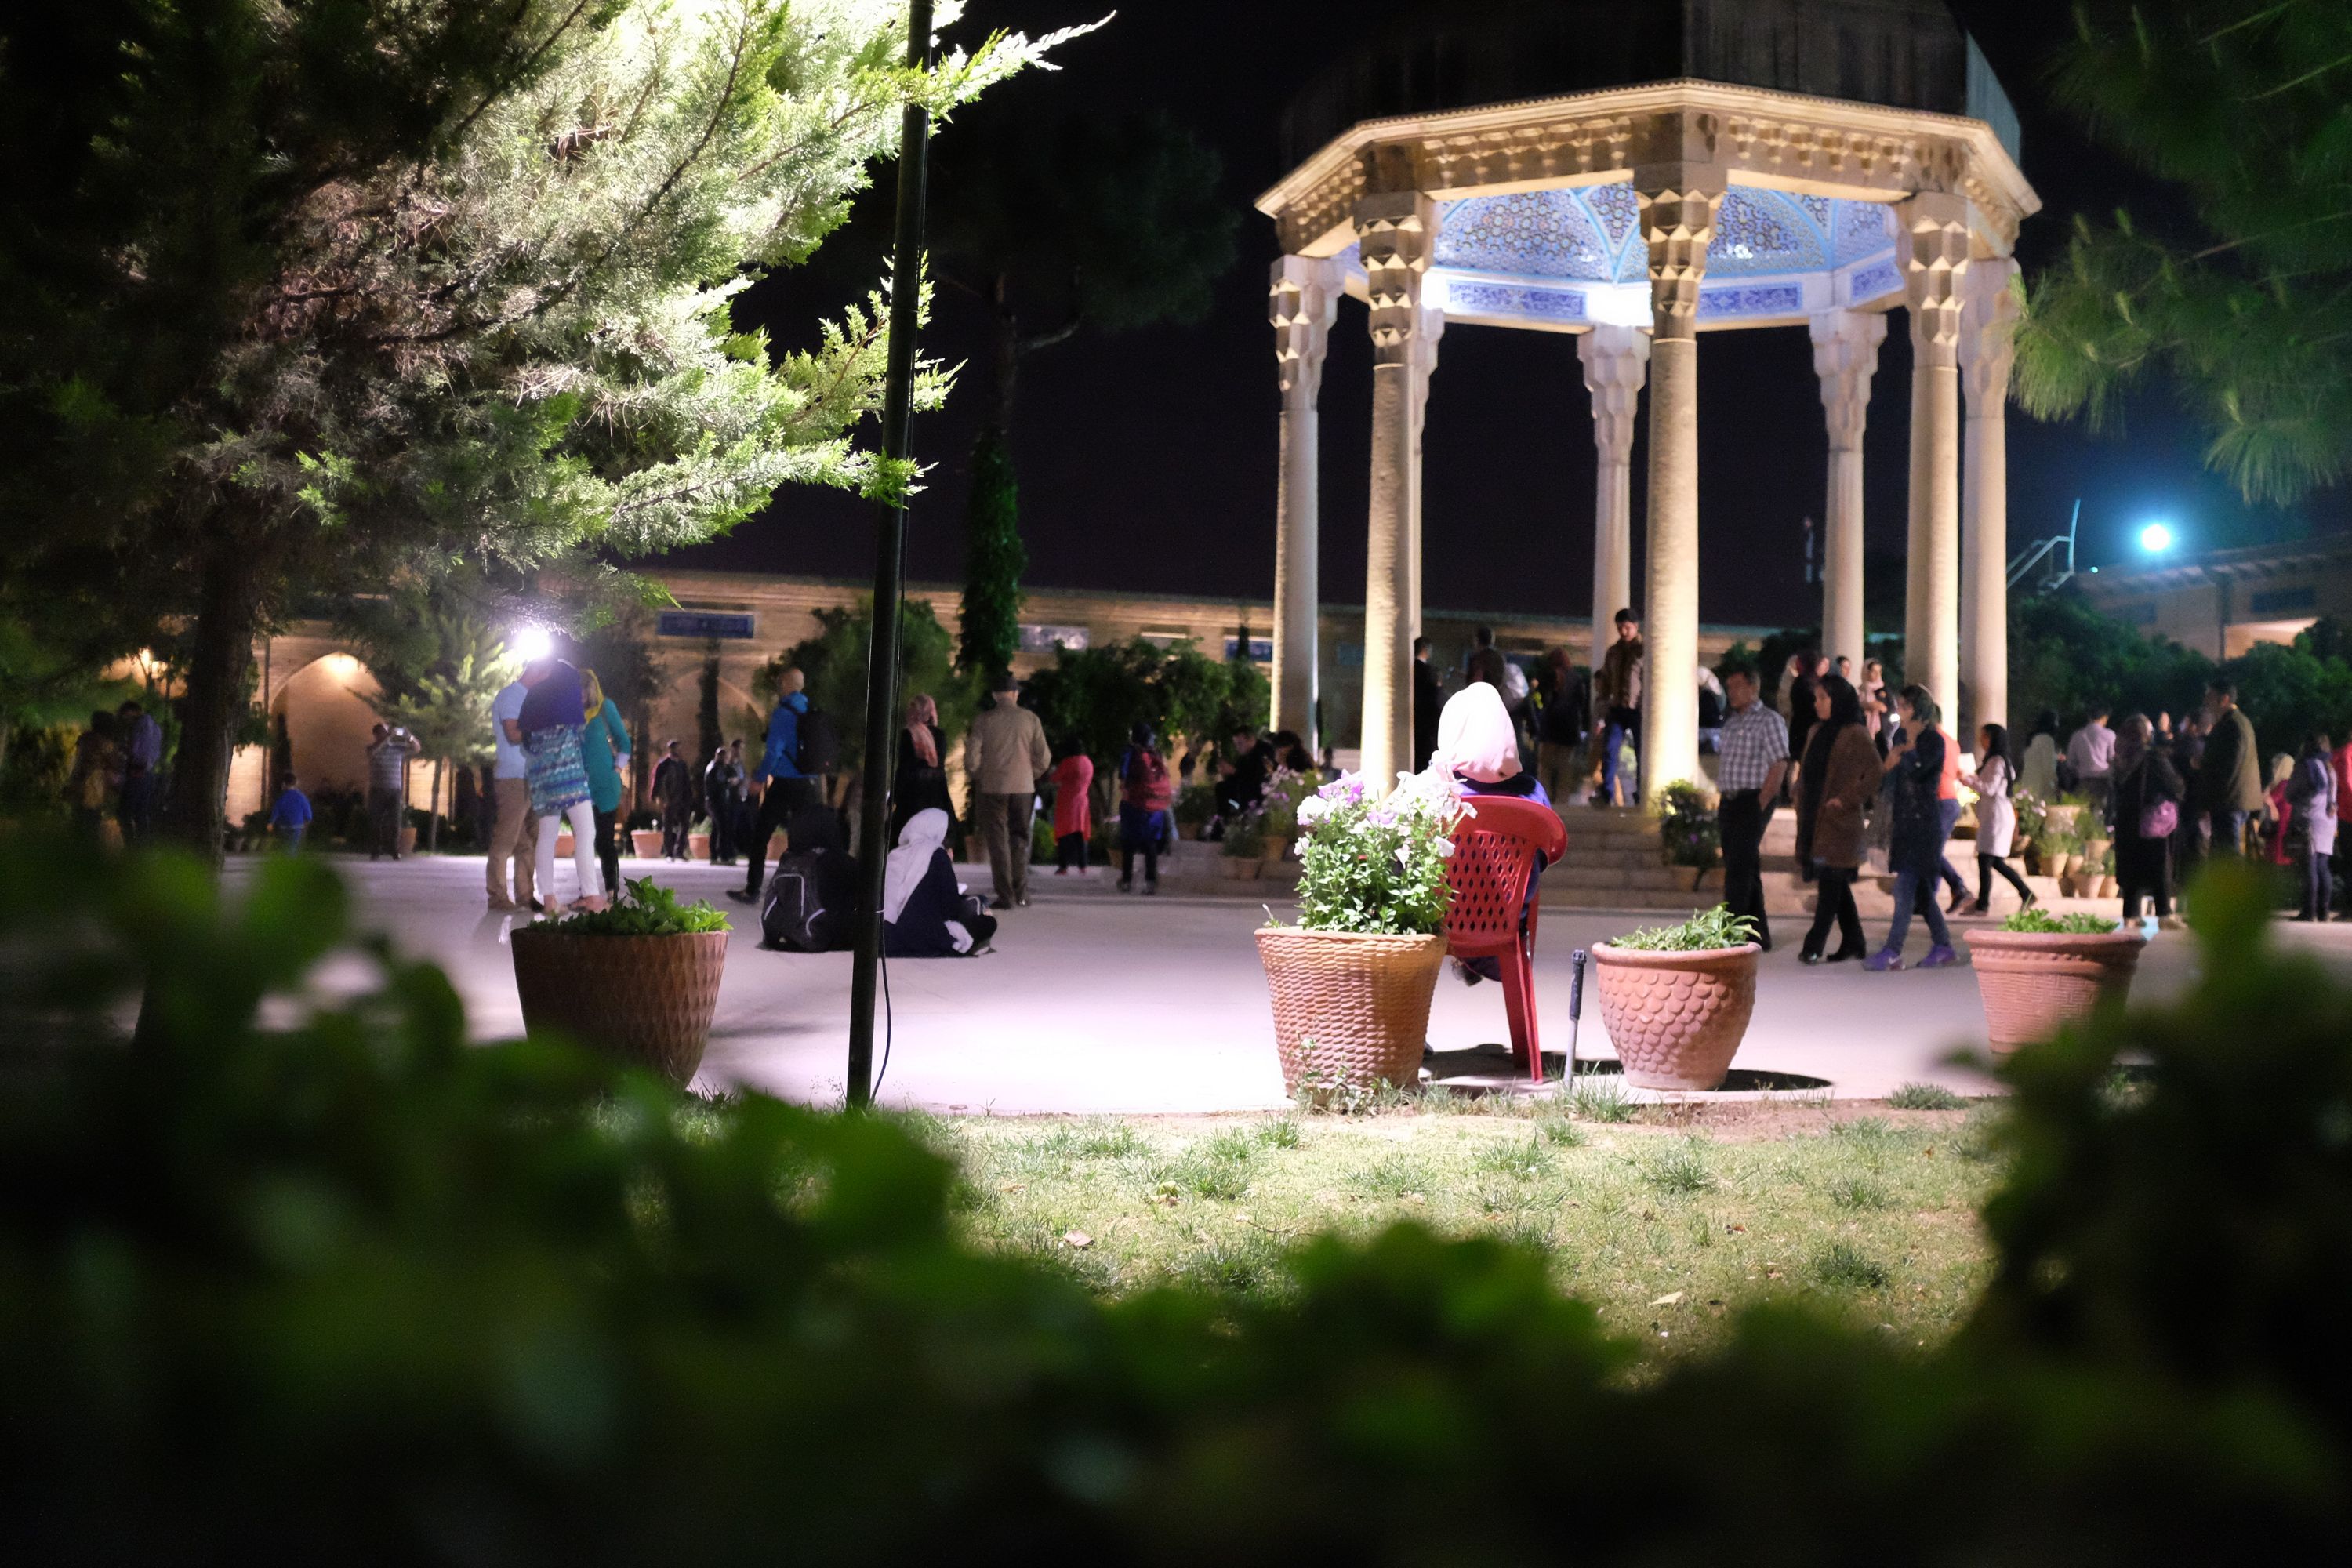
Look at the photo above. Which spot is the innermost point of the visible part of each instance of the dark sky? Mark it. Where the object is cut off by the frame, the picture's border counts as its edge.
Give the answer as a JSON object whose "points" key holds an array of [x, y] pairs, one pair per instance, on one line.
{"points": [[1146, 459]]}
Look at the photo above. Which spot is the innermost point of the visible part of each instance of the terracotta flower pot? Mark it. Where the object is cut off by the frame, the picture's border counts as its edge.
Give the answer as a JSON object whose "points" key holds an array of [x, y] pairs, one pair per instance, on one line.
{"points": [[2031, 981], [563, 845], [646, 1000], [1676, 1018], [407, 840], [1240, 868], [1276, 851], [1348, 1006], [697, 846]]}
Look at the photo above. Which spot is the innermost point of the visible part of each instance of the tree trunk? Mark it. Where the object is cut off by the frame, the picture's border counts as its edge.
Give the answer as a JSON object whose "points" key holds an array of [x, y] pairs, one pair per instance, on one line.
{"points": [[220, 658], [432, 812], [1006, 355]]}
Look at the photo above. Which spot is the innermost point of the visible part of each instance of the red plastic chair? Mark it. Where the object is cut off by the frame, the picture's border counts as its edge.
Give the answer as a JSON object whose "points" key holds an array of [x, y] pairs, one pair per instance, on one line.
{"points": [[1494, 858]]}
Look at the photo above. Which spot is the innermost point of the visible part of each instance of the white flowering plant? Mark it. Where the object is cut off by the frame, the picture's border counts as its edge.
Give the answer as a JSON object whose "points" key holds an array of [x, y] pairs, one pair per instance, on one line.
{"points": [[1377, 866]]}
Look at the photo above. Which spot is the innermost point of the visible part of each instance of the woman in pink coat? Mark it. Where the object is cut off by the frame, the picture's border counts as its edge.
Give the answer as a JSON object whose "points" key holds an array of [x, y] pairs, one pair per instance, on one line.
{"points": [[1074, 814]]}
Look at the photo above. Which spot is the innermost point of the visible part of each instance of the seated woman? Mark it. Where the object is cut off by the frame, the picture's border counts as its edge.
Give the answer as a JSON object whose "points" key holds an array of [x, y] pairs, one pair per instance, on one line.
{"points": [[926, 913], [1479, 747]]}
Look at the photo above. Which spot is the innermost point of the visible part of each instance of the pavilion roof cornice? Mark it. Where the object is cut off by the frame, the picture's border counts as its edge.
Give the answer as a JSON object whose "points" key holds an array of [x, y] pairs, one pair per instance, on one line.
{"points": [[1756, 136]]}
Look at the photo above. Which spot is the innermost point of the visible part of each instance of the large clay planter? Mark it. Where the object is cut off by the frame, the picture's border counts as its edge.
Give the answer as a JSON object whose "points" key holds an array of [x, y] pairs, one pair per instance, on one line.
{"points": [[646, 842], [646, 1000], [1676, 1018], [2031, 981], [407, 839], [1277, 850], [563, 845], [1240, 868], [697, 846], [1348, 1005]]}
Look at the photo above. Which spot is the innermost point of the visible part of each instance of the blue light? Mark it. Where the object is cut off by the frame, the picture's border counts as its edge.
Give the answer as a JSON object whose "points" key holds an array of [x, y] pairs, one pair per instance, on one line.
{"points": [[2156, 538]]}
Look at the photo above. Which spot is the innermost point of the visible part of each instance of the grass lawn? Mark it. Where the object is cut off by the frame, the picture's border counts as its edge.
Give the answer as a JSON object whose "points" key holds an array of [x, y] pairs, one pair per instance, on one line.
{"points": [[1665, 1219]]}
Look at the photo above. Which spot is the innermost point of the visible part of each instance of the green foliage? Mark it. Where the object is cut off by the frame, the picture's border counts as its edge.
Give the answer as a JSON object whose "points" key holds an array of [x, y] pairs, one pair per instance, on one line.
{"points": [[1286, 789], [1195, 804], [1705, 931], [1688, 834], [438, 667], [268, 1287], [646, 908], [1377, 865], [2039, 922], [1924, 1097], [310, 298], [993, 562], [1092, 699], [1245, 835], [839, 658], [2245, 311]]}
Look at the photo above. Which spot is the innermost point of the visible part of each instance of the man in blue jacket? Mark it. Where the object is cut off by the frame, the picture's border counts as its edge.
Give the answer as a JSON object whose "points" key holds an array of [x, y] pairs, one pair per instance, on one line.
{"points": [[784, 789]]}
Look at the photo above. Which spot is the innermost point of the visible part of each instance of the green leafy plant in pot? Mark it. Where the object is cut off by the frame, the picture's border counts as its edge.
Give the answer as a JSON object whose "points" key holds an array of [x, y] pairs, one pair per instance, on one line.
{"points": [[1351, 982], [1676, 999], [1244, 846], [638, 981], [2039, 970]]}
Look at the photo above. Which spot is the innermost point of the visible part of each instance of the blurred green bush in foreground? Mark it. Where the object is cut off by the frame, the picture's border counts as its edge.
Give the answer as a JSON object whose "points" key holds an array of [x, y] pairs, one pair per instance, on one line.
{"points": [[350, 1290]]}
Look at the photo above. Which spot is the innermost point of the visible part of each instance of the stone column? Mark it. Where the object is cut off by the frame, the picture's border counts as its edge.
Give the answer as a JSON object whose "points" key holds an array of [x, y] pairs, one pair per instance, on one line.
{"points": [[1935, 249], [1429, 327], [1845, 356], [1392, 233], [1988, 346], [1615, 360], [1304, 301], [1677, 223]]}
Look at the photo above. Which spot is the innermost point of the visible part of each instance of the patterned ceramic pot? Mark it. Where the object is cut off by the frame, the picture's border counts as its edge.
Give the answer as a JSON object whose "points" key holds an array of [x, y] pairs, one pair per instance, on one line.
{"points": [[1346, 1005], [646, 1000], [2031, 981], [1676, 1018]]}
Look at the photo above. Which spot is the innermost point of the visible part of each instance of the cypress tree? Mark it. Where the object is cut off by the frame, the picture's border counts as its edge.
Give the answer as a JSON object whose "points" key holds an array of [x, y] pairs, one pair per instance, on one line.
{"points": [[994, 560]]}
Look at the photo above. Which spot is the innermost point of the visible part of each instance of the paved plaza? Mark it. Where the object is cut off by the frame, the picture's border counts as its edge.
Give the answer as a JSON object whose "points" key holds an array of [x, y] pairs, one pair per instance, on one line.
{"points": [[1096, 1003]]}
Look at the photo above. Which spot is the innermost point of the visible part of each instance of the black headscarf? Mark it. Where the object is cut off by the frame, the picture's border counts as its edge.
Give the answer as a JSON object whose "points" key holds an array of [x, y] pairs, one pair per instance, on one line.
{"points": [[1846, 708]]}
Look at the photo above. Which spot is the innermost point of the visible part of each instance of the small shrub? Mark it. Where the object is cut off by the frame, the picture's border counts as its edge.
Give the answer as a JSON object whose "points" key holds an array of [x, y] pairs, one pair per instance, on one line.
{"points": [[1391, 1177], [1918, 1096], [1859, 1191], [646, 908], [1560, 1132], [1282, 1133], [1680, 1169], [1522, 1159], [1841, 1266], [1601, 1099], [1687, 833], [2039, 922], [1705, 931]]}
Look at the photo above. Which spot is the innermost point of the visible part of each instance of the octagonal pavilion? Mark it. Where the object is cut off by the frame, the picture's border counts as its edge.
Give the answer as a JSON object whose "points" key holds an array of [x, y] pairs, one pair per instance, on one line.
{"points": [[1637, 172]]}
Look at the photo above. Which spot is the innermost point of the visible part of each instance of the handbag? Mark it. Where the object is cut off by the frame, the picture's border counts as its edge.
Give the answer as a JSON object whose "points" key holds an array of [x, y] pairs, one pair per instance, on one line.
{"points": [[2160, 820]]}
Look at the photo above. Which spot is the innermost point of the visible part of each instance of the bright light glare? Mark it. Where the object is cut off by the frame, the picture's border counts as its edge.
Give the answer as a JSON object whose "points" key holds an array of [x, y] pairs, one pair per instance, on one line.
{"points": [[530, 644], [2156, 538]]}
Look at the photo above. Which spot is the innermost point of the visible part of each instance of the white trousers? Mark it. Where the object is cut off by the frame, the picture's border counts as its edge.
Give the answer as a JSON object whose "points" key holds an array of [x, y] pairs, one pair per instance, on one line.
{"points": [[582, 817]]}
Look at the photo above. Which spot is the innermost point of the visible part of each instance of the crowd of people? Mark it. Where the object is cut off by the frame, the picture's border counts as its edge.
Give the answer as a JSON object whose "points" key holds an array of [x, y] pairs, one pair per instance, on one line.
{"points": [[116, 773]]}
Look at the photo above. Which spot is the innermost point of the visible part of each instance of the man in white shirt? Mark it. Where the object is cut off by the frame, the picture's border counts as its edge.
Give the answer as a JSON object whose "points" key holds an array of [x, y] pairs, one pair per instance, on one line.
{"points": [[2092, 754], [514, 831]]}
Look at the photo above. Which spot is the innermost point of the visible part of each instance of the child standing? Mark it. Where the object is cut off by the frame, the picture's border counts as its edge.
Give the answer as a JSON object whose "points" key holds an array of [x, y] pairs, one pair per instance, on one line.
{"points": [[290, 815]]}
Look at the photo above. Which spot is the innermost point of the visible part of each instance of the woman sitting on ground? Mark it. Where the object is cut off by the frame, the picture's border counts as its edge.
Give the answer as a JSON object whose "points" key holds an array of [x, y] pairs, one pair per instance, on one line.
{"points": [[1478, 748], [926, 913]]}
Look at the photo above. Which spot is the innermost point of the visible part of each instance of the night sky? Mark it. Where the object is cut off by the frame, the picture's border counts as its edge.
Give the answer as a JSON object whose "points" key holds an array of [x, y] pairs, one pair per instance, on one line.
{"points": [[1146, 459]]}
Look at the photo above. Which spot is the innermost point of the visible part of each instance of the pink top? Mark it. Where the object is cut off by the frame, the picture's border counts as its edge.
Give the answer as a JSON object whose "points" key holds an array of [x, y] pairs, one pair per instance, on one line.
{"points": [[1074, 779]]}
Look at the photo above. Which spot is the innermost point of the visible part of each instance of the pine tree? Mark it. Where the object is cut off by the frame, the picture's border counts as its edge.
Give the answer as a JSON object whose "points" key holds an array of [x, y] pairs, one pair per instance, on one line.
{"points": [[993, 562], [2247, 309], [309, 299]]}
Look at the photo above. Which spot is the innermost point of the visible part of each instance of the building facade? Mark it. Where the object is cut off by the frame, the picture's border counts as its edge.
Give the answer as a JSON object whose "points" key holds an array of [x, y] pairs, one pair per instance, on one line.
{"points": [[2223, 602]]}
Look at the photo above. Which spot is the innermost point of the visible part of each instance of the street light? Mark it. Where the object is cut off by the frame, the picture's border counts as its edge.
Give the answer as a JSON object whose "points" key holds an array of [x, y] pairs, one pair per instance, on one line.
{"points": [[530, 644], [2156, 538]]}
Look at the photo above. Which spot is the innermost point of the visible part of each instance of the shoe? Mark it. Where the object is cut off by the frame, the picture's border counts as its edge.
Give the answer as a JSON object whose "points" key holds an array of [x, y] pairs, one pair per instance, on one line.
{"points": [[1469, 976], [1939, 957], [2031, 900], [1956, 903], [1844, 955], [503, 906], [592, 906], [1808, 956], [1061, 870], [537, 907], [1885, 960], [1151, 890], [1021, 900], [1126, 884], [742, 895], [1974, 907], [999, 903]]}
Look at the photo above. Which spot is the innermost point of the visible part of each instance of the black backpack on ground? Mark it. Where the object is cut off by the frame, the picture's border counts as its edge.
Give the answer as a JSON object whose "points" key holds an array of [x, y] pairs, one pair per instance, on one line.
{"points": [[816, 750], [811, 897]]}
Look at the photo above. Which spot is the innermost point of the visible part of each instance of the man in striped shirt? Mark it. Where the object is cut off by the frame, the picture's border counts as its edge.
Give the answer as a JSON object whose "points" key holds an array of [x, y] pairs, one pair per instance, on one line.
{"points": [[1754, 756]]}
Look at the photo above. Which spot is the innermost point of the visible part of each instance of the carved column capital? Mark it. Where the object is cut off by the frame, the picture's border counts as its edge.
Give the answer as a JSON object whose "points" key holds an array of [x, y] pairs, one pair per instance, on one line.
{"points": [[1991, 305], [1302, 304], [1678, 225], [1934, 252], [1392, 236], [1616, 360], [1845, 357]]}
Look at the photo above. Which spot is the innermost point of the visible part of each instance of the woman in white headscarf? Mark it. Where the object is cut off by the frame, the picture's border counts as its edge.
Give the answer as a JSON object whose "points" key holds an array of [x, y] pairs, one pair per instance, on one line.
{"points": [[1479, 747], [926, 913]]}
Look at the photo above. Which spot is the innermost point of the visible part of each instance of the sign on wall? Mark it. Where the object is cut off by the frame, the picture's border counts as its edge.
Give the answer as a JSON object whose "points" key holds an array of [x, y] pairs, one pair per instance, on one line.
{"points": [[1046, 639], [735, 625]]}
